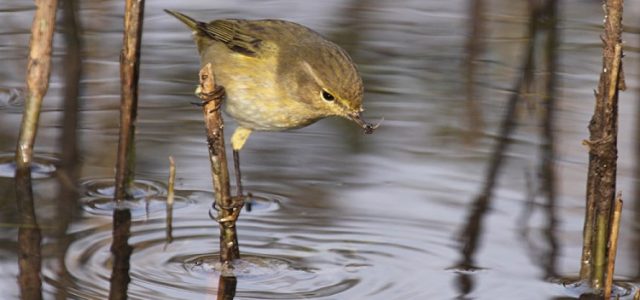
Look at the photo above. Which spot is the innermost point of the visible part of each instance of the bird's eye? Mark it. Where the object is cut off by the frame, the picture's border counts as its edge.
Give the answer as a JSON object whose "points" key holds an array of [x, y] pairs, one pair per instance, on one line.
{"points": [[327, 96]]}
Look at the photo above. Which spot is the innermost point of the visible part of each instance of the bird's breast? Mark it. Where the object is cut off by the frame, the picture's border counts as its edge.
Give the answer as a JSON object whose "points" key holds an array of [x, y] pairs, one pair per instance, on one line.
{"points": [[265, 111], [254, 96]]}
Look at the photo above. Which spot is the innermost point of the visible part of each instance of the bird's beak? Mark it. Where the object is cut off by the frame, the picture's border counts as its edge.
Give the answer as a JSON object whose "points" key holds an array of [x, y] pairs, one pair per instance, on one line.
{"points": [[367, 127]]}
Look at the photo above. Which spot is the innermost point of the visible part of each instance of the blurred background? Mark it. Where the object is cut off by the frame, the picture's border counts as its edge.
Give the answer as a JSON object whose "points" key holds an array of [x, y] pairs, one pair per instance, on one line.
{"points": [[464, 192]]}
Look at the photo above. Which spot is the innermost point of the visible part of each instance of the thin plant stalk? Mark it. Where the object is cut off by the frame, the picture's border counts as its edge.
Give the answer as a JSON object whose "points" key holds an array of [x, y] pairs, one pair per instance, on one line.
{"points": [[603, 206], [602, 143], [129, 74], [586, 260], [170, 198], [211, 96], [37, 80], [38, 70], [613, 246]]}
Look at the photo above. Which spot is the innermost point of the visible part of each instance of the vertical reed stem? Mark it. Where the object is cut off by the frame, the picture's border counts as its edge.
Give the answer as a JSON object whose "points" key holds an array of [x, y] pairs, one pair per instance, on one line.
{"points": [[170, 198], [211, 96], [603, 152], [38, 70], [37, 80], [613, 245], [129, 73]]}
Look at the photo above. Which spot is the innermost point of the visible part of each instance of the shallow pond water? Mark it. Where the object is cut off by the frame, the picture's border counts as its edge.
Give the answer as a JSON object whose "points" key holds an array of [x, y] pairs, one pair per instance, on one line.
{"points": [[405, 213]]}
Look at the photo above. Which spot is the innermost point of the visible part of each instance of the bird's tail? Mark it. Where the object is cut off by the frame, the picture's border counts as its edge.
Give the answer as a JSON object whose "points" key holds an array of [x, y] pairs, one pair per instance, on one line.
{"points": [[190, 22]]}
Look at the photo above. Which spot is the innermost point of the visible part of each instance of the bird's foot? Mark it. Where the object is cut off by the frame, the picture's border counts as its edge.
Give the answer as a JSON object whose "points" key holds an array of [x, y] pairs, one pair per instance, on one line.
{"points": [[237, 202], [232, 218], [217, 95], [234, 208]]}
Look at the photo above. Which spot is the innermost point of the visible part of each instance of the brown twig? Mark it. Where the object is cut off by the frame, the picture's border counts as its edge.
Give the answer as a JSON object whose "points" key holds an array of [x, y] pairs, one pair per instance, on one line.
{"points": [[613, 245], [212, 96], [129, 73], [603, 205], [38, 70], [170, 198], [603, 152]]}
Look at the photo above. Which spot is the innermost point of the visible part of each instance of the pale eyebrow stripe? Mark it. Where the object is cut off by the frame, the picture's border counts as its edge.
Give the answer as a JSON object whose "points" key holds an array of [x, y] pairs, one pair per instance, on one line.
{"points": [[307, 68], [313, 74]]}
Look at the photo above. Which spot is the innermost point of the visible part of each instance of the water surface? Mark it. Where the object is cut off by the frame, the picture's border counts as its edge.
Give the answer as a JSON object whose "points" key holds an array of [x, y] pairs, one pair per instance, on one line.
{"points": [[406, 213]]}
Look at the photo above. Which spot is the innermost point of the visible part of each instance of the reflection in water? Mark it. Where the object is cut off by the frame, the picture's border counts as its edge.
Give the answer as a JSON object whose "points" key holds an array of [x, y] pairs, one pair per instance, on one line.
{"points": [[68, 172], [474, 49], [546, 257], [347, 33], [148, 197], [121, 251], [547, 170], [470, 235], [636, 218], [29, 237], [350, 33], [472, 230], [42, 166], [227, 287]]}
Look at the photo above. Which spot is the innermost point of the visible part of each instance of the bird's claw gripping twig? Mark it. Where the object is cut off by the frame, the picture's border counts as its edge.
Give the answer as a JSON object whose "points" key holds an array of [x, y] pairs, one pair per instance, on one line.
{"points": [[217, 95], [232, 218], [237, 202]]}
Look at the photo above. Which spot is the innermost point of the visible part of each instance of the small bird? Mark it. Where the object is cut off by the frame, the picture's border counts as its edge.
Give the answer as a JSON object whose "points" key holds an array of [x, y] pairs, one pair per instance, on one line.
{"points": [[277, 75]]}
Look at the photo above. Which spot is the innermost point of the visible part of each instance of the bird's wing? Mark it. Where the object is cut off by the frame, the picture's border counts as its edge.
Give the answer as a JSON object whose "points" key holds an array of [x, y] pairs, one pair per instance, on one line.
{"points": [[231, 34]]}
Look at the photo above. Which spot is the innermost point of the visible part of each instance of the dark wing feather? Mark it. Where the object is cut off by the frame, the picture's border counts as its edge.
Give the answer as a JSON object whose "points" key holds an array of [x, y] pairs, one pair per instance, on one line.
{"points": [[227, 31]]}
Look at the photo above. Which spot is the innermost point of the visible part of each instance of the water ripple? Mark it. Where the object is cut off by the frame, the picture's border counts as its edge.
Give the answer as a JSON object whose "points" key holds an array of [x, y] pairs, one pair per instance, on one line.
{"points": [[575, 288], [285, 254], [148, 197], [42, 166], [11, 98]]}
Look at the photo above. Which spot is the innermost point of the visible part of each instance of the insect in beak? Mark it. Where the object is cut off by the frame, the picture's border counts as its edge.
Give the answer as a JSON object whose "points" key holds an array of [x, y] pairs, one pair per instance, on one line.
{"points": [[367, 127]]}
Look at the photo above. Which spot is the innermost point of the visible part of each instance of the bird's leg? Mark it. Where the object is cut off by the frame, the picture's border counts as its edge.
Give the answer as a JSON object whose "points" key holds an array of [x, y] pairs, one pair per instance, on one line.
{"points": [[238, 139], [236, 167], [239, 199]]}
